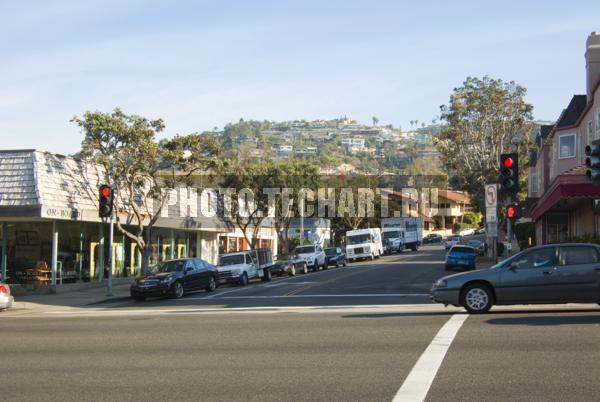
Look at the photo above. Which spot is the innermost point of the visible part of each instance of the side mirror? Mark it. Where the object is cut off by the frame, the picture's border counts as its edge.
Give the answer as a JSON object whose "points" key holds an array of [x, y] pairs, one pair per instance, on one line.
{"points": [[188, 269]]}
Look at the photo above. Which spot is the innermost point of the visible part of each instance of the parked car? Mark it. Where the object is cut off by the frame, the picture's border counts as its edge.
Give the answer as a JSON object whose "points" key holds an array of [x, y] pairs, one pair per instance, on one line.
{"points": [[541, 274], [335, 256], [313, 255], [478, 245], [467, 232], [451, 241], [289, 264], [174, 278], [432, 238], [6, 299], [241, 266], [461, 256]]}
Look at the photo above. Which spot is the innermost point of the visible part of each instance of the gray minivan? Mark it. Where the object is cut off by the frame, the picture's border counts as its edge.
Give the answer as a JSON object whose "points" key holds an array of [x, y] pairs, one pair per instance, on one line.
{"points": [[555, 273]]}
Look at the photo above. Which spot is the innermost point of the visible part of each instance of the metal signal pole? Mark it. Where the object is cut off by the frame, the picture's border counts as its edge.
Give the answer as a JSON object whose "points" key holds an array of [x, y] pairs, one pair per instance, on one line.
{"points": [[110, 257], [509, 230]]}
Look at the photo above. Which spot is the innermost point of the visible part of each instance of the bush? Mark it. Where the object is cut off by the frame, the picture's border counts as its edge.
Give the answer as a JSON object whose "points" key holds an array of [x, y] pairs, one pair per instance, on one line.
{"points": [[460, 226], [472, 218], [586, 238], [524, 231]]}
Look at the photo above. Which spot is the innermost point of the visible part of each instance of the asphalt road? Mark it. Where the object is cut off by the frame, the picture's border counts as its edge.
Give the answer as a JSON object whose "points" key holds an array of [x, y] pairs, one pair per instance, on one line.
{"points": [[397, 279], [359, 333]]}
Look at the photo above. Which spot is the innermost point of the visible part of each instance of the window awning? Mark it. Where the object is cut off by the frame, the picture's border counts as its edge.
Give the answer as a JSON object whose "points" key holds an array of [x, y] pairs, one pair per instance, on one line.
{"points": [[564, 187]]}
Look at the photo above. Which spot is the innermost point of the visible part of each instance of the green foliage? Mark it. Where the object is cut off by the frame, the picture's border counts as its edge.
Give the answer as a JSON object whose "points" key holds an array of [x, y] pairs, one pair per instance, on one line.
{"points": [[484, 118], [139, 168], [586, 238], [523, 231], [472, 218], [460, 226]]}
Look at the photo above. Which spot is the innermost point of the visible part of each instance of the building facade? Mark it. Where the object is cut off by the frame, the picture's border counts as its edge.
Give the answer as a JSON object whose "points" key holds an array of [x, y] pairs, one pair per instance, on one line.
{"points": [[51, 233], [562, 198]]}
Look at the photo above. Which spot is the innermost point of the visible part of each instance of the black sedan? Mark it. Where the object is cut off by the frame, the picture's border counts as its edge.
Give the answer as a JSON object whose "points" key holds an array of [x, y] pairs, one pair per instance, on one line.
{"points": [[289, 264], [432, 238], [174, 278], [335, 256]]}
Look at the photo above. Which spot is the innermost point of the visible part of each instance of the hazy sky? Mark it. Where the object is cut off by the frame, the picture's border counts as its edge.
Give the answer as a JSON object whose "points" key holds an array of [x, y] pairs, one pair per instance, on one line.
{"points": [[202, 64]]}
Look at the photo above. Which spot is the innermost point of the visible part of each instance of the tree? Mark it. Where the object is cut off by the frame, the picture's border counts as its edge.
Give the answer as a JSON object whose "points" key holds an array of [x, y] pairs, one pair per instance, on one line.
{"points": [[484, 118], [375, 120], [294, 175], [140, 169], [248, 208]]}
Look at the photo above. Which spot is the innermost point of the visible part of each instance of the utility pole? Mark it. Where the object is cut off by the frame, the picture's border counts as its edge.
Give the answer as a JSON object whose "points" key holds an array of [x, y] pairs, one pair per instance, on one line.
{"points": [[109, 291], [509, 230]]}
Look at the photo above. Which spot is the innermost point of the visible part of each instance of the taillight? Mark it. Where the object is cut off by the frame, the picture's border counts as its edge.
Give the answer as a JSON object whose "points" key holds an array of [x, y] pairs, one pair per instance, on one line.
{"points": [[3, 289]]}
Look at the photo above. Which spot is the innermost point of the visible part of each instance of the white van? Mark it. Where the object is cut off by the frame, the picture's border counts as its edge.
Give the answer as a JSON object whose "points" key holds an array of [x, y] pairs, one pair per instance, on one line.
{"points": [[363, 243]]}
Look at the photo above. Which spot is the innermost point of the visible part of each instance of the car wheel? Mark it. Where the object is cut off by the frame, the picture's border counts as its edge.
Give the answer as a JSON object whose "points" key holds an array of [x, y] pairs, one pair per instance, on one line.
{"points": [[177, 291], [477, 298], [292, 270], [244, 280], [212, 284]]}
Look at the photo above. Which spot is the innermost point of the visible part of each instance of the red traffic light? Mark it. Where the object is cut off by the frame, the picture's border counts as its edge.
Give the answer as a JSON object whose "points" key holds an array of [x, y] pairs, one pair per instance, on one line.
{"points": [[508, 162], [104, 191], [511, 212]]}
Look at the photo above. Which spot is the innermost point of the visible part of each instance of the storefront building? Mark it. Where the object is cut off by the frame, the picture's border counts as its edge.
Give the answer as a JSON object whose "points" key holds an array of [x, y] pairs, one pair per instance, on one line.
{"points": [[50, 232]]}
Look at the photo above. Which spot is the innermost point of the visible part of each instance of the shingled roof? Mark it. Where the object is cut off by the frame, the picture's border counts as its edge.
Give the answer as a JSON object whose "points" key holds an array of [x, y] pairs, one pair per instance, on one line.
{"points": [[36, 178], [571, 114]]}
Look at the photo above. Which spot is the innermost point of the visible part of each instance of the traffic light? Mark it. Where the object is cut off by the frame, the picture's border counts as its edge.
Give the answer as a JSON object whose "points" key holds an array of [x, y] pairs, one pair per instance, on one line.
{"points": [[509, 173], [105, 201], [592, 162], [514, 212]]}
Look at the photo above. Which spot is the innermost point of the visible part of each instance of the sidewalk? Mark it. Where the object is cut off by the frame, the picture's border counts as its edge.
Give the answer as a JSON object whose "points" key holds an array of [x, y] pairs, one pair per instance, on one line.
{"points": [[91, 297]]}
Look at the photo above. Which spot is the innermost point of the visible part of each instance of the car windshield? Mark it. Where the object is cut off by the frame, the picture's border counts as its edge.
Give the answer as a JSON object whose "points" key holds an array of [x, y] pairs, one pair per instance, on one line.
{"points": [[391, 235], [304, 249], [170, 266], [235, 259], [330, 251], [359, 239]]}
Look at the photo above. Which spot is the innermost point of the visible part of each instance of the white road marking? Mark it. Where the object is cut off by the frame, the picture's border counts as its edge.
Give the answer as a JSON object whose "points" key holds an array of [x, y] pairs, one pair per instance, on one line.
{"points": [[378, 308], [420, 378], [309, 296]]}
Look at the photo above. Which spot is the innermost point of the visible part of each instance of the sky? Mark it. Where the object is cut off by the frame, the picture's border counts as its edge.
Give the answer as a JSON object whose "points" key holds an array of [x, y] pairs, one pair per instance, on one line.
{"points": [[203, 64]]}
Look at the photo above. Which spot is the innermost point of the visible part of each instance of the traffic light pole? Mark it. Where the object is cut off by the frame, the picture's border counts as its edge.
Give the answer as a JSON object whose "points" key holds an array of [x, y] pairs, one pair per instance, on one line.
{"points": [[109, 291], [509, 230]]}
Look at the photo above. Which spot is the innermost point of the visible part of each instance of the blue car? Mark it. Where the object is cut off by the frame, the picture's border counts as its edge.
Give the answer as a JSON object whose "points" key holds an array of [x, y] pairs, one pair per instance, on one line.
{"points": [[461, 257]]}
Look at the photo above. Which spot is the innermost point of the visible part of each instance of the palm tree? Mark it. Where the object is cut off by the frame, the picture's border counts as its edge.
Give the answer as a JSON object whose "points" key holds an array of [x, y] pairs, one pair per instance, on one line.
{"points": [[375, 120]]}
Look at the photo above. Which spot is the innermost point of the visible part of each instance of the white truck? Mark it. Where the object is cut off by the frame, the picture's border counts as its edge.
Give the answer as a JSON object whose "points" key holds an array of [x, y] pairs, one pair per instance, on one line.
{"points": [[242, 266], [314, 256], [363, 243], [402, 233]]}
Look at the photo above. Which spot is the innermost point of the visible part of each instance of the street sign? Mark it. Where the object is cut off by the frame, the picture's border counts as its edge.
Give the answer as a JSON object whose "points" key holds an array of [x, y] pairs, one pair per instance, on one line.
{"points": [[490, 214], [491, 229], [491, 195]]}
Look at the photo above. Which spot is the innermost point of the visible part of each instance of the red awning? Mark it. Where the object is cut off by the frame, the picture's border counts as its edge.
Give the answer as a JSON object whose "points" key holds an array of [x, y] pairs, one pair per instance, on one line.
{"points": [[565, 186]]}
